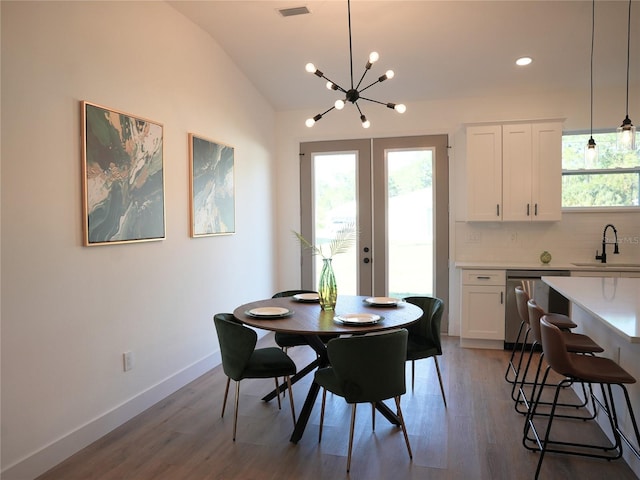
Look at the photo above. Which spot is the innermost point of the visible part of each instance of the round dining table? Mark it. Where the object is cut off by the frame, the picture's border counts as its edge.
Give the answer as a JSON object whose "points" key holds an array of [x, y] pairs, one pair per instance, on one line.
{"points": [[353, 314]]}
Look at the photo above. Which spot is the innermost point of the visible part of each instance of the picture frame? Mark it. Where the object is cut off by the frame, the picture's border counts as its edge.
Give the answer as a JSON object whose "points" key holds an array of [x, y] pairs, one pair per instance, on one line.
{"points": [[212, 187], [122, 177]]}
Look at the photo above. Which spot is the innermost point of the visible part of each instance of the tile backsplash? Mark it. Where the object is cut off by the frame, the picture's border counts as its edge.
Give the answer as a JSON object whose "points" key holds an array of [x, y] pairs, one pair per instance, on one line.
{"points": [[574, 239]]}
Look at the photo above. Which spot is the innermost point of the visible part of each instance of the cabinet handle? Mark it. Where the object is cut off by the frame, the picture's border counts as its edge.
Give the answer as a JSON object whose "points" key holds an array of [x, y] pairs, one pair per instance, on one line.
{"points": [[501, 298], [497, 209], [535, 210], [483, 277], [528, 209]]}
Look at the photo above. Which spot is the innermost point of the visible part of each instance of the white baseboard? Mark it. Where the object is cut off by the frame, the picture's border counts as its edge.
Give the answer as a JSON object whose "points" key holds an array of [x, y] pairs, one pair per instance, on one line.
{"points": [[49, 456]]}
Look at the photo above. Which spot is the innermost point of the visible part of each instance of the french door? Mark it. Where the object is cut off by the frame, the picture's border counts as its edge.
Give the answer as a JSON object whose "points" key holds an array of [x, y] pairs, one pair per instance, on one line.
{"points": [[395, 190]]}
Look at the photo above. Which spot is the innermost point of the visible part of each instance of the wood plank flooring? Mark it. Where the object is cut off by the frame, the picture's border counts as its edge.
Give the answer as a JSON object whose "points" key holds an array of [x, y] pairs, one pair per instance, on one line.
{"points": [[477, 437]]}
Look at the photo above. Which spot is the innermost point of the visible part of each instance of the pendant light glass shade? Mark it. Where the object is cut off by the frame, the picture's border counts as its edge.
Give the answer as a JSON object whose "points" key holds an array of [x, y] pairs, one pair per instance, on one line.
{"points": [[626, 133], [591, 153], [626, 136]]}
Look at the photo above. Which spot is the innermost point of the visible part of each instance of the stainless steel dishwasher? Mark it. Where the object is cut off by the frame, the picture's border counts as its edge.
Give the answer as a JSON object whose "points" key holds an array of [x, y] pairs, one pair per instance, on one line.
{"points": [[547, 298]]}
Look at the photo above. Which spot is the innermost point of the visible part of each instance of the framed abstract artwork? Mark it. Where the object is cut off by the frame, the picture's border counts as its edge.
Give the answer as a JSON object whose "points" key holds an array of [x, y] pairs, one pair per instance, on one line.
{"points": [[122, 177], [212, 187]]}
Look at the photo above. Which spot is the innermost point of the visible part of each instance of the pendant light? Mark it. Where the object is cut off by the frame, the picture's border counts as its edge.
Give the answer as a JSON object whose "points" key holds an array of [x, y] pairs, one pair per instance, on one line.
{"points": [[591, 150], [354, 93], [626, 133]]}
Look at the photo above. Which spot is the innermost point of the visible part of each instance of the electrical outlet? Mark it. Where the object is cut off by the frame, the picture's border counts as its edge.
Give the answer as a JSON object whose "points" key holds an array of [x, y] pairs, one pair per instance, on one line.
{"points": [[127, 361]]}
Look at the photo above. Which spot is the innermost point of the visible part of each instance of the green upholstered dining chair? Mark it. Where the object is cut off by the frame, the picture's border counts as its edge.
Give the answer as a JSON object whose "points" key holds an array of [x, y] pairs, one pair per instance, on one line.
{"points": [[424, 336], [365, 369], [287, 340], [240, 360]]}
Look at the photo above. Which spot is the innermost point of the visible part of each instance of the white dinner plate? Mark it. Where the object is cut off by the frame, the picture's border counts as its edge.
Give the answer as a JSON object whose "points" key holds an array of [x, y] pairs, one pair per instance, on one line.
{"points": [[307, 297], [357, 318], [382, 301], [269, 312]]}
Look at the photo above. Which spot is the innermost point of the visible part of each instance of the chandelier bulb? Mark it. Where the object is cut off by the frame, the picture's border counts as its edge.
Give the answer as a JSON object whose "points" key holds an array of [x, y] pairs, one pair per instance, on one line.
{"points": [[365, 123], [400, 108], [311, 121], [331, 86], [339, 104], [310, 67], [373, 57], [390, 74]]}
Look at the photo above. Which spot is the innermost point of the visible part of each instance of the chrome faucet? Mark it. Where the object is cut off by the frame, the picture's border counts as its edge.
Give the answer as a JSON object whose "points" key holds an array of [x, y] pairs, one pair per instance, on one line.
{"points": [[603, 257]]}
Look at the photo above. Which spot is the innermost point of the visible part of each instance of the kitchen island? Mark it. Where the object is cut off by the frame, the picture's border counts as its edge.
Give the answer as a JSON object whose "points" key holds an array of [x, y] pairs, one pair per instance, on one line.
{"points": [[608, 310]]}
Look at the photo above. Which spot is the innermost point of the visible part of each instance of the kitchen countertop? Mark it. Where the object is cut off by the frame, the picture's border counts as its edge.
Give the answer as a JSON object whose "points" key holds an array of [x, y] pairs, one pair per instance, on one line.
{"points": [[614, 301], [593, 266]]}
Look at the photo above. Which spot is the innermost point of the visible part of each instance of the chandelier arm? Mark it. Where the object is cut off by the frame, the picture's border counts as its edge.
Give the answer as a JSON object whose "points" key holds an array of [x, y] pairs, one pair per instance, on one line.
{"points": [[329, 80], [370, 85], [327, 111], [362, 78], [358, 107], [374, 101]]}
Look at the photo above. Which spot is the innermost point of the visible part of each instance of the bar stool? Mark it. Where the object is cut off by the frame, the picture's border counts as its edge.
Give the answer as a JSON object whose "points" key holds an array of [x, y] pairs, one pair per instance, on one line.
{"points": [[585, 369], [560, 320], [574, 342]]}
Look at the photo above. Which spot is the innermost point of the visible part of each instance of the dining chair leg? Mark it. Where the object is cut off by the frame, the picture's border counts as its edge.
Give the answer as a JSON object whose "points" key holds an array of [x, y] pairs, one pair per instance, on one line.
{"points": [[324, 398], [404, 427], [353, 421], [235, 416], [373, 416], [413, 373], [226, 393], [293, 409], [278, 393], [444, 399]]}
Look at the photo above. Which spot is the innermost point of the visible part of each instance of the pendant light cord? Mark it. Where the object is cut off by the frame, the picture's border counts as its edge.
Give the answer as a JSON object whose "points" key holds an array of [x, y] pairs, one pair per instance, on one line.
{"points": [[593, 28], [351, 47], [628, 57]]}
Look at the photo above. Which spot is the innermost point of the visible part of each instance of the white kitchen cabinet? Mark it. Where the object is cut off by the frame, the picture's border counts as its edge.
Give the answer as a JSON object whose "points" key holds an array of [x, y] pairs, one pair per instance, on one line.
{"points": [[514, 172], [483, 308], [484, 173]]}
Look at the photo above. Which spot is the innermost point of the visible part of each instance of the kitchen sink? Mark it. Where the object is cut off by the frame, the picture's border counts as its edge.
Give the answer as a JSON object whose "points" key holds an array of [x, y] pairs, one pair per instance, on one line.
{"points": [[607, 265]]}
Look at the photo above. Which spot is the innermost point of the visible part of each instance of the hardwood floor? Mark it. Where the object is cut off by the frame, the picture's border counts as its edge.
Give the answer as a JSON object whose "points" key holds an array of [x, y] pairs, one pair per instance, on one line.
{"points": [[477, 437]]}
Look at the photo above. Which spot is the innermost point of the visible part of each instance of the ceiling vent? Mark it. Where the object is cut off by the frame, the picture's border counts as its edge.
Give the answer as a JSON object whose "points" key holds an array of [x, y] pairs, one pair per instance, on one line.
{"points": [[290, 12]]}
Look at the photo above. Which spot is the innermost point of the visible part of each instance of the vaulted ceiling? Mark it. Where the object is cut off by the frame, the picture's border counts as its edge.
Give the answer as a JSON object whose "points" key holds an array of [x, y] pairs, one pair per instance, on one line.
{"points": [[438, 49]]}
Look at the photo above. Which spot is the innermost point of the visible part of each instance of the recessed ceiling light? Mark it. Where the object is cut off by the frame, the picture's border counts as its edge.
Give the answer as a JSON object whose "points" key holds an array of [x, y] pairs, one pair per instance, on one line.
{"points": [[522, 61]]}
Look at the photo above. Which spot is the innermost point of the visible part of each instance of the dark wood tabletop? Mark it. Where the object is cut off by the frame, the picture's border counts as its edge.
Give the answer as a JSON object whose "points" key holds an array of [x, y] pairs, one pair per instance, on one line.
{"points": [[309, 319]]}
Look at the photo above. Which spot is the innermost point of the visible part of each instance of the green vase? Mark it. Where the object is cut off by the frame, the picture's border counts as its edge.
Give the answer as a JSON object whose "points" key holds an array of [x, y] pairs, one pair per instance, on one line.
{"points": [[327, 288]]}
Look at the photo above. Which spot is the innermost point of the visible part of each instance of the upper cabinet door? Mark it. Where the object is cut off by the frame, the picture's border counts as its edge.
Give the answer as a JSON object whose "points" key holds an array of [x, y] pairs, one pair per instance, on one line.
{"points": [[484, 173], [546, 172], [517, 157]]}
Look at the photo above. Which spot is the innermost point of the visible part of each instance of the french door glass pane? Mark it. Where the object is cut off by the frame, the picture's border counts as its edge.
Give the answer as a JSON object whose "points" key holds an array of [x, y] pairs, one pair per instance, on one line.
{"points": [[335, 187], [410, 222]]}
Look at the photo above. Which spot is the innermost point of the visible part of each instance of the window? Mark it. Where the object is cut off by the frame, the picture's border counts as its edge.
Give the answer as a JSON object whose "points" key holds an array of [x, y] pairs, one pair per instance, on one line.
{"points": [[613, 180]]}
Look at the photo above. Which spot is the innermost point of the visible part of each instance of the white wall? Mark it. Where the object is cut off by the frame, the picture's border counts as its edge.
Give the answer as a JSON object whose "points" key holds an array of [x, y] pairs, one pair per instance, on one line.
{"points": [[68, 311]]}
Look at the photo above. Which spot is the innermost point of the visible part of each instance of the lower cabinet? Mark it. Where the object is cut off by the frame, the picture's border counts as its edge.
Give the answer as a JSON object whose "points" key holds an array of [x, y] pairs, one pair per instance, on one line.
{"points": [[483, 308]]}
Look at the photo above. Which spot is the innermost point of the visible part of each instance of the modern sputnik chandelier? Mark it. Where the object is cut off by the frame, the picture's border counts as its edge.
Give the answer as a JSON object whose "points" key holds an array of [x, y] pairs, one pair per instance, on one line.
{"points": [[354, 93]]}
